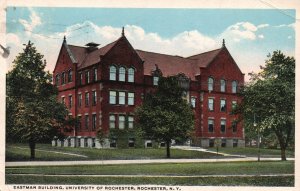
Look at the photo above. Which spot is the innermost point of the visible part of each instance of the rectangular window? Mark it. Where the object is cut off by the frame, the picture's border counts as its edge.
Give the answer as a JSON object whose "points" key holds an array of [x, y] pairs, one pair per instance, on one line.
{"points": [[80, 78], [130, 122], [210, 125], [112, 121], [112, 97], [94, 97], [86, 122], [193, 102], [155, 80], [79, 123], [63, 100], [223, 105], [130, 98], [210, 104], [87, 95], [121, 121], [234, 126], [130, 75], [95, 74], [94, 121], [122, 98], [70, 101], [223, 125], [233, 105], [87, 77], [79, 100]]}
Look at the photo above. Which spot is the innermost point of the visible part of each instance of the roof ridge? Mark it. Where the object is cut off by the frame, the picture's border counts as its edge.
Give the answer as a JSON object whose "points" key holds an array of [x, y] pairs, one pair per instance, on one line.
{"points": [[161, 53], [189, 57]]}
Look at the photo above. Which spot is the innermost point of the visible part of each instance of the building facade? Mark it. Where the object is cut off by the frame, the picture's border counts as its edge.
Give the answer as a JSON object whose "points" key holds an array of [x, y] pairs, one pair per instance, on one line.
{"points": [[103, 86]]}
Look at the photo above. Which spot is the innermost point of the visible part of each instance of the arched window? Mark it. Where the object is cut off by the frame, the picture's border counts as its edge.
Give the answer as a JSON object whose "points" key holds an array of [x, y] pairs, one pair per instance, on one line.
{"points": [[70, 75], [63, 78], [130, 75], [112, 73], [210, 84], [122, 72], [223, 85], [57, 77], [234, 86]]}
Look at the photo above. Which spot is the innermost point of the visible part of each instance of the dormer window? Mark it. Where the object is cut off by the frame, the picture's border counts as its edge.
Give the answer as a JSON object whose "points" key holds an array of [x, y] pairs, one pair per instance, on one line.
{"points": [[223, 85], [112, 73], [210, 84], [130, 75], [155, 80], [122, 72], [234, 86]]}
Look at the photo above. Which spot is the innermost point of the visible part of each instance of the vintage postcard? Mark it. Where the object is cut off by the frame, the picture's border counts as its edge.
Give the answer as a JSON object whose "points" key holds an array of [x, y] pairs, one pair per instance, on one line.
{"points": [[139, 95]]}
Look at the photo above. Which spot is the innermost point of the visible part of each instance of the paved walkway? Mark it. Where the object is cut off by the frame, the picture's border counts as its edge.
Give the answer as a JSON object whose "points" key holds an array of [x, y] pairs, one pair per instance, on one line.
{"points": [[57, 152], [105, 162]]}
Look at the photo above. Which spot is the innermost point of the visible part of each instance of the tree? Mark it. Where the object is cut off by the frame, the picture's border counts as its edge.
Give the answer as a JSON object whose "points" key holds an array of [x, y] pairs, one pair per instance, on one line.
{"points": [[270, 95], [33, 112], [164, 115]]}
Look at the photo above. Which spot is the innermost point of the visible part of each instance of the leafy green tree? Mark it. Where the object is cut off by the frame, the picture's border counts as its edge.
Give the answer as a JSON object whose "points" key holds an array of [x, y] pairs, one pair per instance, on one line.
{"points": [[270, 95], [33, 112], [164, 115]]}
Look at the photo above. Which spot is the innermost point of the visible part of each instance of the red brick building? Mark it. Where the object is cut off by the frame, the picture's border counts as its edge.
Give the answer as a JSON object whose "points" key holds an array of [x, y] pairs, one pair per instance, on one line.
{"points": [[103, 86]]}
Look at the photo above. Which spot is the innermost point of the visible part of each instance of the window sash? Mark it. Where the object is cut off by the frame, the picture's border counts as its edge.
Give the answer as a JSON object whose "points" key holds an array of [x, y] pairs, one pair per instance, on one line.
{"points": [[155, 80], [223, 85], [234, 87], [193, 102], [70, 101], [122, 98], [86, 121], [130, 75], [87, 95], [210, 125], [121, 122], [70, 76], [112, 97], [94, 97], [223, 126], [95, 74], [112, 73], [112, 122], [130, 98], [122, 72], [223, 105], [210, 104], [210, 84], [87, 77], [94, 121], [130, 122]]}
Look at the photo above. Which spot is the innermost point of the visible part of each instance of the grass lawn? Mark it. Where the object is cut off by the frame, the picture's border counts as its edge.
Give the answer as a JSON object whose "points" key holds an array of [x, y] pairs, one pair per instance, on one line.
{"points": [[185, 181], [185, 169], [21, 152], [252, 152]]}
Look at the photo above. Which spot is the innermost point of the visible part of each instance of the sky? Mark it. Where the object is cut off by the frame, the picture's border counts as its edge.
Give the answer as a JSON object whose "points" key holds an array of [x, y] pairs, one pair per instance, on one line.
{"points": [[250, 34]]}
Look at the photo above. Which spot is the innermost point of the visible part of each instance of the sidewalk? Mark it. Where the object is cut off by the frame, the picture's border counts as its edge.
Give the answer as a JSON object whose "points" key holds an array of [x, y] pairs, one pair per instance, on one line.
{"points": [[106, 162]]}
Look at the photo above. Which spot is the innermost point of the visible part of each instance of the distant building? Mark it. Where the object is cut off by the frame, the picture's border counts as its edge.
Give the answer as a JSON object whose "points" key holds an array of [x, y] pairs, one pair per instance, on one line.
{"points": [[103, 86]]}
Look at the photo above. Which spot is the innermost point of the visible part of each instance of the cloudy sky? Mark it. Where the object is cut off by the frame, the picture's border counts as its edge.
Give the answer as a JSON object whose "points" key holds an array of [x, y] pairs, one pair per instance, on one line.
{"points": [[250, 34]]}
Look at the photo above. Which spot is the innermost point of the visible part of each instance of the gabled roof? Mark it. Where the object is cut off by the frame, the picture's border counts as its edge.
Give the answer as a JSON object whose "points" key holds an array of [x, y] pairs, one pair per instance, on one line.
{"points": [[85, 58], [204, 59], [169, 65]]}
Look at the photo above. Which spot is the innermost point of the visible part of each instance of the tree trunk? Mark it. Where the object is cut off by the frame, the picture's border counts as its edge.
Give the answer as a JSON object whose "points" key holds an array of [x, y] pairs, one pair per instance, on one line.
{"points": [[32, 150], [168, 149], [283, 157]]}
